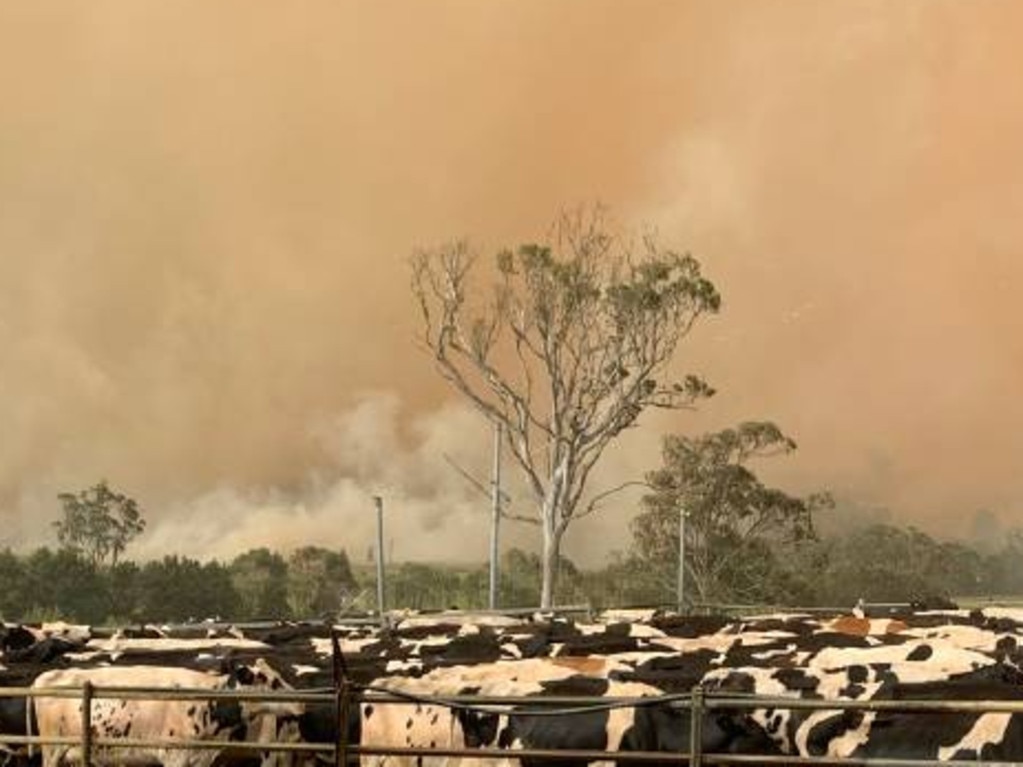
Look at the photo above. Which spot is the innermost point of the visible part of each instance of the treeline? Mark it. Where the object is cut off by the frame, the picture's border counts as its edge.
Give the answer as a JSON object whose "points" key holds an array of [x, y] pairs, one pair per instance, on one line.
{"points": [[877, 563], [68, 584]]}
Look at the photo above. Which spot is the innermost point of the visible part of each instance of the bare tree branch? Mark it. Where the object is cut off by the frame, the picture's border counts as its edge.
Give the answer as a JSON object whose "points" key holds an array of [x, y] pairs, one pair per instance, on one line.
{"points": [[596, 500], [482, 488]]}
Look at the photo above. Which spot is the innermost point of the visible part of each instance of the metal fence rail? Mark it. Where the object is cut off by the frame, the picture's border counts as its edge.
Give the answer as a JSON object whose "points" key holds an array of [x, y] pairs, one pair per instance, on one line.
{"points": [[347, 695]]}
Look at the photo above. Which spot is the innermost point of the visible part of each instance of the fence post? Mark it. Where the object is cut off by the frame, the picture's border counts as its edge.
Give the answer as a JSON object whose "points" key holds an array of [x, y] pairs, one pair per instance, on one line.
{"points": [[344, 707], [339, 675], [696, 709], [86, 724]]}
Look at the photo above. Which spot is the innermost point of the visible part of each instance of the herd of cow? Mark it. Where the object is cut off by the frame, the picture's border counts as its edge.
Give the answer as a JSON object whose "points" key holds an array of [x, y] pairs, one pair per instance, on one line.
{"points": [[931, 655]]}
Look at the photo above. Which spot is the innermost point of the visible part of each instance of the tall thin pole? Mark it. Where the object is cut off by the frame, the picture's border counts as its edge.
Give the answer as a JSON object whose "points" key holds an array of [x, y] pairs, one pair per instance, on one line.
{"points": [[681, 587], [495, 517], [379, 501]]}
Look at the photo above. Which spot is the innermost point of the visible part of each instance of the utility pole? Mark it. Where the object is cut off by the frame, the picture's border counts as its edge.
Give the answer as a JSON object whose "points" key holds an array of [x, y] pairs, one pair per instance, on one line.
{"points": [[495, 519], [681, 586], [379, 501]]}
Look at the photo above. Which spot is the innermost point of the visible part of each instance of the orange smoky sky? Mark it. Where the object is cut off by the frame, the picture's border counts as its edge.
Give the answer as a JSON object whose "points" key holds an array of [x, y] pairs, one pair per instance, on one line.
{"points": [[206, 211]]}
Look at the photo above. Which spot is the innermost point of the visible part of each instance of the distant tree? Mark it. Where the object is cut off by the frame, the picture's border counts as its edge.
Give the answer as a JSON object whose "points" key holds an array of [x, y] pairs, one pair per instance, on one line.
{"points": [[571, 347], [98, 523], [735, 525], [320, 581], [65, 585], [420, 586], [260, 578], [520, 578], [15, 594], [522, 573], [986, 531], [961, 570], [122, 582], [884, 563], [1003, 574], [180, 589], [626, 581]]}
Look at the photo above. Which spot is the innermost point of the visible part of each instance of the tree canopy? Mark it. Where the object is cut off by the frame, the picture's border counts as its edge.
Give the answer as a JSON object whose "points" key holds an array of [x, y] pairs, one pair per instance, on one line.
{"points": [[735, 524], [98, 522]]}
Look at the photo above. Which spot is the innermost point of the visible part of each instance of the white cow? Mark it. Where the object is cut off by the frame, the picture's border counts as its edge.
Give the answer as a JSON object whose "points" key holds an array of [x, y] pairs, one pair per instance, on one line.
{"points": [[166, 719]]}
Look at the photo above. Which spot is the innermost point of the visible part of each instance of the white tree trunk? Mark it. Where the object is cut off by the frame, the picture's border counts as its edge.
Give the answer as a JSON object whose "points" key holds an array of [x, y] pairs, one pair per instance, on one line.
{"points": [[549, 564]]}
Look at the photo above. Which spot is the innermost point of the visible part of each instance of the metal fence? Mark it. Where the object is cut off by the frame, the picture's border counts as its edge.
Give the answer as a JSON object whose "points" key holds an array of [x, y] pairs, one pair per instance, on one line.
{"points": [[346, 696]]}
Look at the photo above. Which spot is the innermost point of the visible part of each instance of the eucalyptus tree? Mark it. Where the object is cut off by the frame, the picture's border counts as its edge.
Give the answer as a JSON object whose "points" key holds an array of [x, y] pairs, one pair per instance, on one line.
{"points": [[99, 523], [564, 343], [739, 531]]}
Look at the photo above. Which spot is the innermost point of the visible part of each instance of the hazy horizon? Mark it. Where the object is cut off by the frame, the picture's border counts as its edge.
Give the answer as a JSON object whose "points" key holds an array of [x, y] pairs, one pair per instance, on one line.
{"points": [[207, 210]]}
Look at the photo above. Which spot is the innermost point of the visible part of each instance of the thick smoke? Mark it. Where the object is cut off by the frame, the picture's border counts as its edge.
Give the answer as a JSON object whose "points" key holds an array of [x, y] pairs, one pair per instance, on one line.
{"points": [[207, 210], [431, 511]]}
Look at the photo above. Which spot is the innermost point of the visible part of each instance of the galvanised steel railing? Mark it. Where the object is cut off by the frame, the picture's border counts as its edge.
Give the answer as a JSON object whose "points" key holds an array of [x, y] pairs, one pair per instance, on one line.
{"points": [[698, 702]]}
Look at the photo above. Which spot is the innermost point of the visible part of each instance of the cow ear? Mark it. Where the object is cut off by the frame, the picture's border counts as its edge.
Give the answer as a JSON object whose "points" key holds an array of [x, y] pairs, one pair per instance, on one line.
{"points": [[244, 675], [237, 672]]}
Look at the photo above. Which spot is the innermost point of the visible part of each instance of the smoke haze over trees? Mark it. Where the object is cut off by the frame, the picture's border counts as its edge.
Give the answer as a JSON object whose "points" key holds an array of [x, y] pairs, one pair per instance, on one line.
{"points": [[203, 290]]}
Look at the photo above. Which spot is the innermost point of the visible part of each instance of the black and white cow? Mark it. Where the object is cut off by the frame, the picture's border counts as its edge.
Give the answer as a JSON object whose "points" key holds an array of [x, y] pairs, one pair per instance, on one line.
{"points": [[660, 727], [166, 719], [428, 726], [916, 670], [951, 735]]}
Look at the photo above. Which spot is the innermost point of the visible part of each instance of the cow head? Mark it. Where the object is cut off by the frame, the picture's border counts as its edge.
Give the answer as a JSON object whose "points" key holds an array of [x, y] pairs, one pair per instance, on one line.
{"points": [[479, 728], [736, 732], [15, 638], [265, 721], [257, 673]]}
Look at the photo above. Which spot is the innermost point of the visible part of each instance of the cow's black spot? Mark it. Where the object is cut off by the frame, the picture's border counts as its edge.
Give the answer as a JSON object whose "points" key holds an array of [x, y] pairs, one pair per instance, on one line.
{"points": [[852, 691], [408, 724], [434, 719], [433, 744], [858, 674], [227, 715], [923, 652], [586, 686], [368, 711], [796, 679], [822, 733]]}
